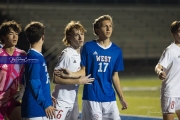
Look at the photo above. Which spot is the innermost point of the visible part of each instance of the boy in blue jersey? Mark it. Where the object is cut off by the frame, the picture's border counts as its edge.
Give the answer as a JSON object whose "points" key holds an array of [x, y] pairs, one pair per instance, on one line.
{"points": [[103, 60], [36, 102]]}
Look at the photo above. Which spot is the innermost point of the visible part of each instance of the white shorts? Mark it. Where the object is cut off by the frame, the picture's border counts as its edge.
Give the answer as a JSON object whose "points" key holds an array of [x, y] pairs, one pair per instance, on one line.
{"points": [[170, 104], [67, 113], [92, 110], [37, 118]]}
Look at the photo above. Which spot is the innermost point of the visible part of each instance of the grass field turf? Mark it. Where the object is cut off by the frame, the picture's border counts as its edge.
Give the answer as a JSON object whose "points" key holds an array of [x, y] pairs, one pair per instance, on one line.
{"points": [[140, 102]]}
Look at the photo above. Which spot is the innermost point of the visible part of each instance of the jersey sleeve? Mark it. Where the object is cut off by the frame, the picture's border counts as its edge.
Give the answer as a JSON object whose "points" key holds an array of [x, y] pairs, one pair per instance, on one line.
{"points": [[165, 58], [36, 88], [119, 64], [35, 85], [63, 61]]}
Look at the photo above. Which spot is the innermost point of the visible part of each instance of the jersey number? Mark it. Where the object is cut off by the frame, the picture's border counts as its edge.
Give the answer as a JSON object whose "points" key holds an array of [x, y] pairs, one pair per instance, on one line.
{"points": [[58, 116], [47, 78], [172, 105], [102, 67]]}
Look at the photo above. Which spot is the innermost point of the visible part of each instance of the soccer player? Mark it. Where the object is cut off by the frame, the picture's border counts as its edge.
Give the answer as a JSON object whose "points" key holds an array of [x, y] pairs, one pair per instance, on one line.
{"points": [[102, 59], [11, 88], [66, 89], [168, 70], [36, 102]]}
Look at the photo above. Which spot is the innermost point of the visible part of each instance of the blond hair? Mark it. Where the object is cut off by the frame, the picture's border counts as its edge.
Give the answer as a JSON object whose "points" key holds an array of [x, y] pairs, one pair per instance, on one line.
{"points": [[98, 21]]}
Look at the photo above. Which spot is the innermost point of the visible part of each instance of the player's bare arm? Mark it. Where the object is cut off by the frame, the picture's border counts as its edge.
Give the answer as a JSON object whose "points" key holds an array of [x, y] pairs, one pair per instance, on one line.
{"points": [[58, 79], [159, 70], [117, 86], [64, 73], [65, 76]]}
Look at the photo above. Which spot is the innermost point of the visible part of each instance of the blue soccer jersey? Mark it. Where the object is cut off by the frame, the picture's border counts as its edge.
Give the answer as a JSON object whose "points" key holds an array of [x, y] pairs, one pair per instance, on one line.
{"points": [[101, 63], [37, 95]]}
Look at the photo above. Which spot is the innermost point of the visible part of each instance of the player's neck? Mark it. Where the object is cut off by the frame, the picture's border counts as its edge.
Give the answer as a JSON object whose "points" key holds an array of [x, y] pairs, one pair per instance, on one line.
{"points": [[76, 48], [36, 47], [9, 50], [104, 43], [177, 43]]}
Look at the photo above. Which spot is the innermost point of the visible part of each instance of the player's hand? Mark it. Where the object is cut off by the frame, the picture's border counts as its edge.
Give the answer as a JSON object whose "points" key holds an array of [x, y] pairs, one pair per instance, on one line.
{"points": [[63, 73], [57, 72], [162, 75], [85, 80], [124, 104], [50, 112], [18, 96]]}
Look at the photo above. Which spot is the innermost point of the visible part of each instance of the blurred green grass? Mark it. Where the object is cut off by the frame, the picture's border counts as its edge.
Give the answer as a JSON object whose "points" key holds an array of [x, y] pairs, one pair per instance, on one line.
{"points": [[143, 103]]}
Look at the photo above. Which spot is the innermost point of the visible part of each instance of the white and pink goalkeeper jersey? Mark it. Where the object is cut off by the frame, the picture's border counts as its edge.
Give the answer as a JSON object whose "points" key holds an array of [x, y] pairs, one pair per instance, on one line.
{"points": [[170, 60], [10, 75]]}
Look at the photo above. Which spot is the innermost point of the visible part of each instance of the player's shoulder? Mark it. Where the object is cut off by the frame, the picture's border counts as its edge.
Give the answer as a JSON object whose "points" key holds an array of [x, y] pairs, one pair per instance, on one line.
{"points": [[32, 54], [22, 52], [116, 47], [2, 52], [68, 50], [170, 50], [171, 47]]}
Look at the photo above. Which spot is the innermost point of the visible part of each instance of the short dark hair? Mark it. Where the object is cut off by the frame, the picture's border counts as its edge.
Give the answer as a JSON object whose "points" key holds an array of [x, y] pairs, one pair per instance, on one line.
{"points": [[175, 26], [34, 31], [98, 21], [5, 28]]}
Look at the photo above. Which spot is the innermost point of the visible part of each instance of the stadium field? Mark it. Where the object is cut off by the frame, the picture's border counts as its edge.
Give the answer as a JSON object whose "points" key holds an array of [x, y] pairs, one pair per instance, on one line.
{"points": [[142, 95]]}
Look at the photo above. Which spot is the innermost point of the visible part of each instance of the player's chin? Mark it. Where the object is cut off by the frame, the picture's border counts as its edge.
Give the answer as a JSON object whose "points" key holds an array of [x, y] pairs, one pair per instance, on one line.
{"points": [[14, 43], [81, 44], [107, 36]]}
